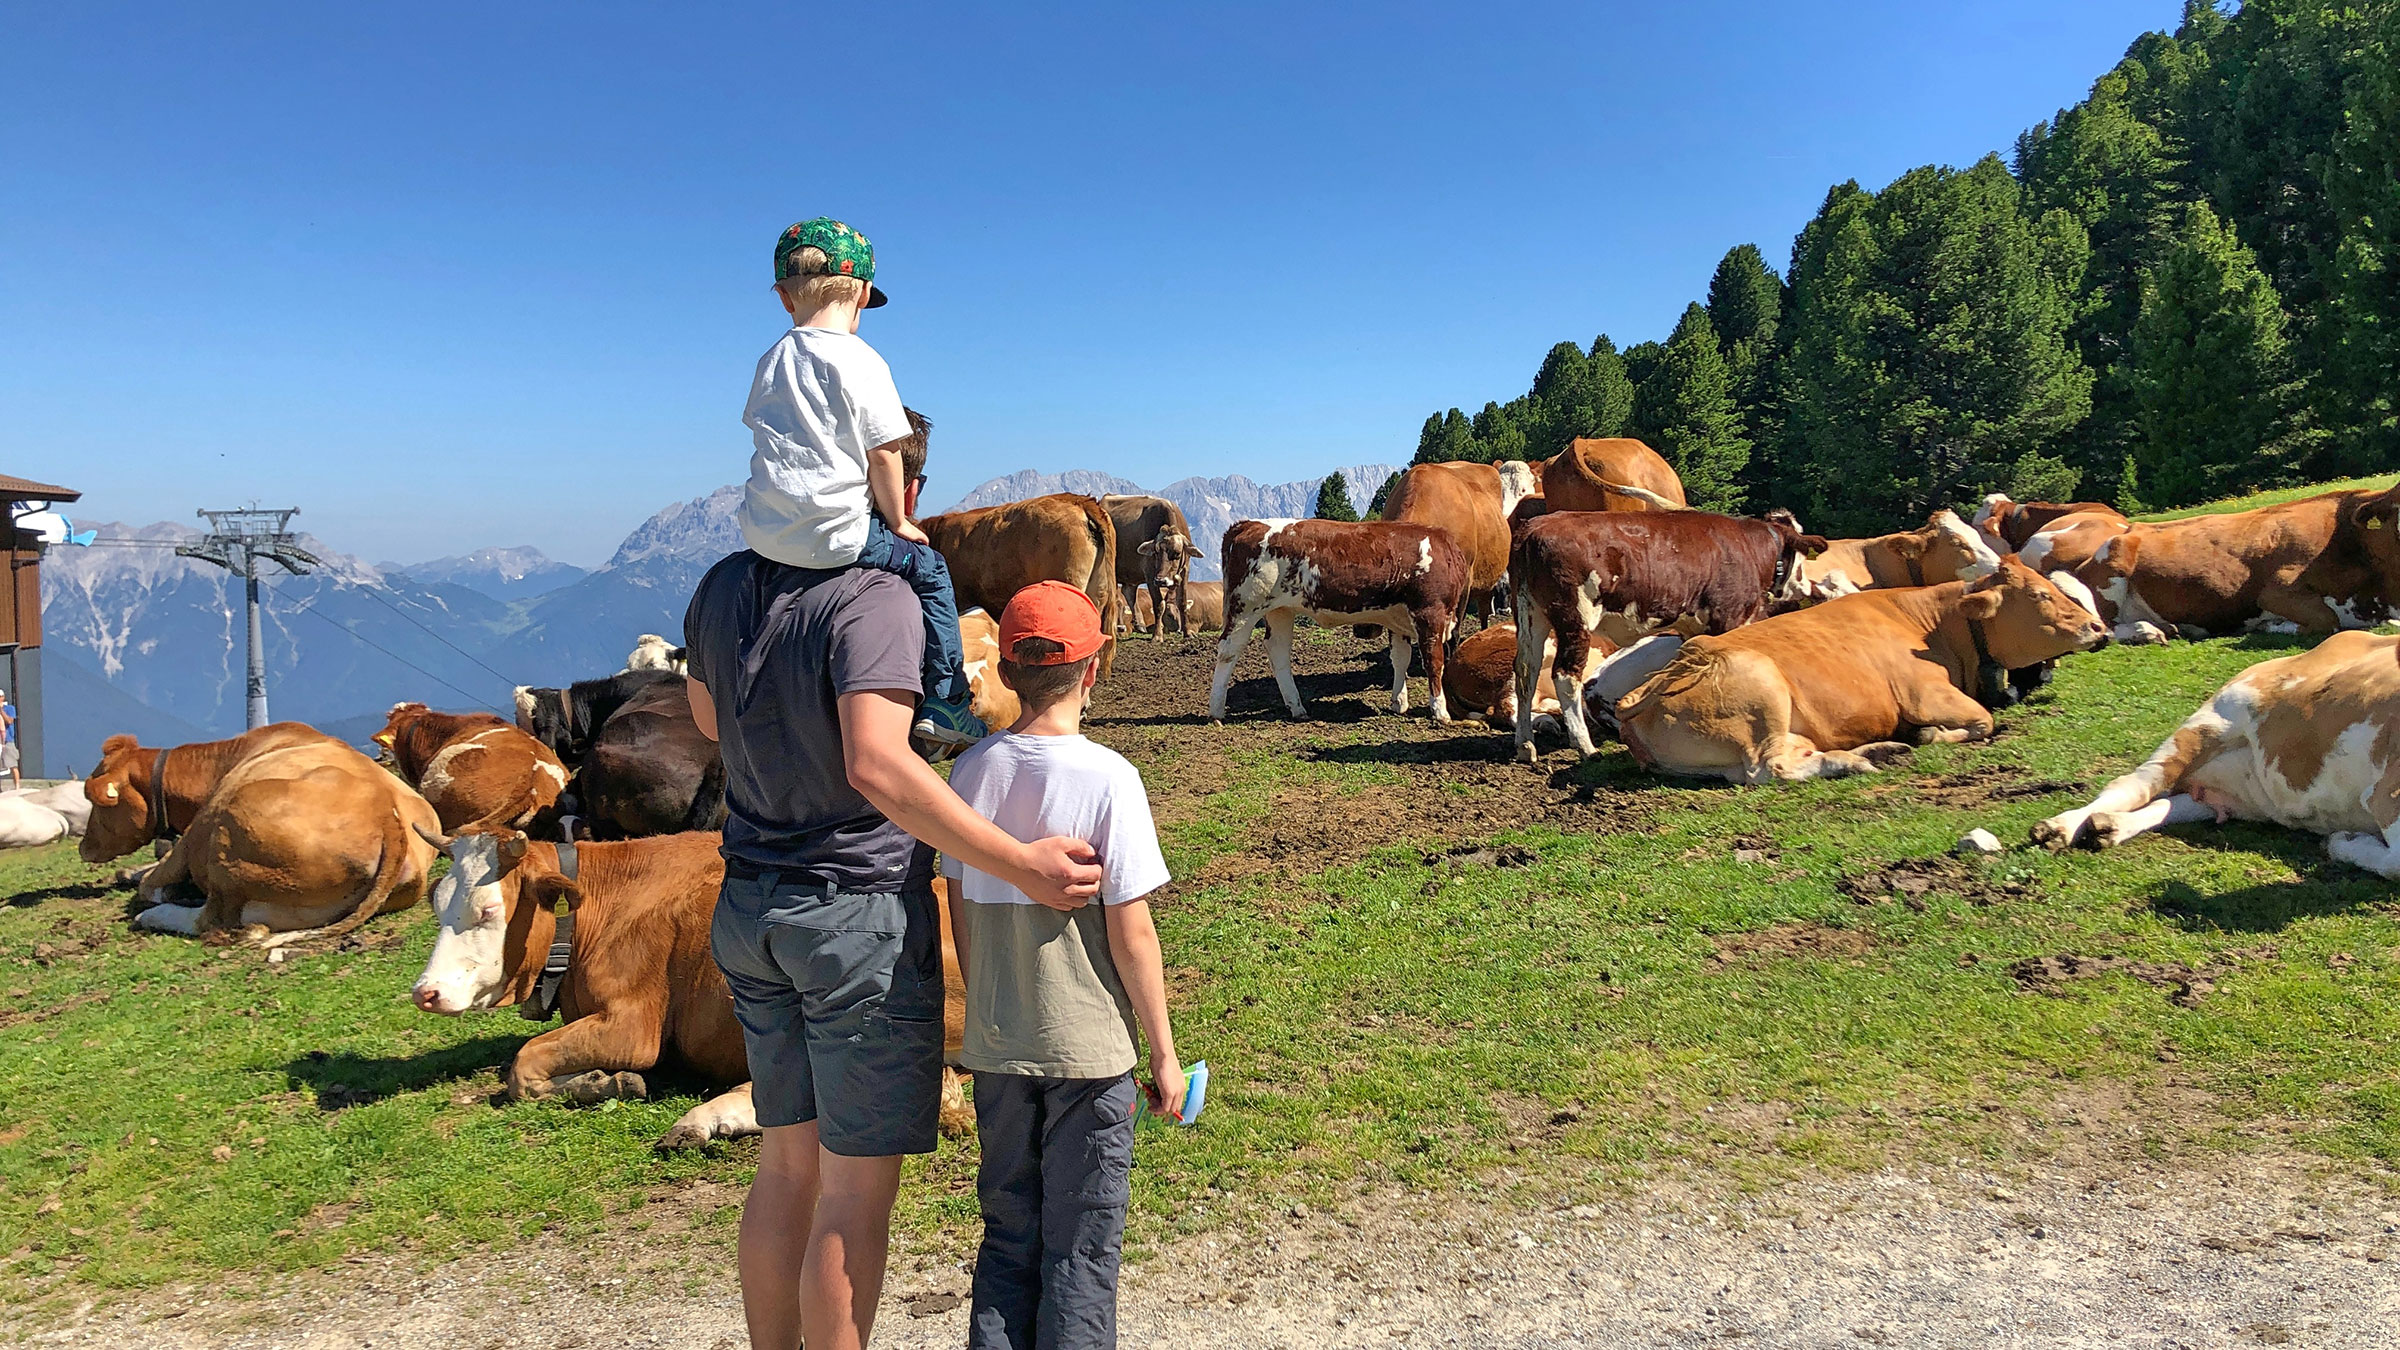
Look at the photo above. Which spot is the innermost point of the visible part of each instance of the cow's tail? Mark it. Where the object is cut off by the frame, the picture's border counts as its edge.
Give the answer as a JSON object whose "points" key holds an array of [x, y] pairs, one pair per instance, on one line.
{"points": [[1101, 585], [707, 811], [390, 864], [1643, 495]]}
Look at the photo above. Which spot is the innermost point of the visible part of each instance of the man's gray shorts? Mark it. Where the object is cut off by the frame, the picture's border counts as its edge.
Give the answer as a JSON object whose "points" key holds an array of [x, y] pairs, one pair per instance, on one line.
{"points": [[840, 999]]}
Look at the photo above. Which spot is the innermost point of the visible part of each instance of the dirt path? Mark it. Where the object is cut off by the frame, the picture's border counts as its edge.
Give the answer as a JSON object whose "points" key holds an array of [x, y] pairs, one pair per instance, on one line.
{"points": [[2256, 1252]]}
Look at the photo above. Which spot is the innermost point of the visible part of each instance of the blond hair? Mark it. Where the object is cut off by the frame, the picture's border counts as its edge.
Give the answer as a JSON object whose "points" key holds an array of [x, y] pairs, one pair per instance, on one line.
{"points": [[813, 288]]}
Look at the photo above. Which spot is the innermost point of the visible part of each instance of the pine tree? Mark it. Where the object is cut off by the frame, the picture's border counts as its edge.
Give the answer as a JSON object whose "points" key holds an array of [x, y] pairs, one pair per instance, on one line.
{"points": [[1500, 431], [2211, 370], [1333, 500], [1640, 359], [1447, 436], [2363, 180], [1382, 494], [1611, 387], [1685, 411], [1745, 306], [1928, 346]]}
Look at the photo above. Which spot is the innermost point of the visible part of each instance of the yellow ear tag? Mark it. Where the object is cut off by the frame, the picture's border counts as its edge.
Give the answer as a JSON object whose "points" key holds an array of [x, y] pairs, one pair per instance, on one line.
{"points": [[2375, 523]]}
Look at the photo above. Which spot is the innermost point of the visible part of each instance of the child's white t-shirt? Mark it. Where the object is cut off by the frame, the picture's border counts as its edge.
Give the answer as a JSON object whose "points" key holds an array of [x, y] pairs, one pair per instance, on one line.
{"points": [[818, 403], [1034, 787]]}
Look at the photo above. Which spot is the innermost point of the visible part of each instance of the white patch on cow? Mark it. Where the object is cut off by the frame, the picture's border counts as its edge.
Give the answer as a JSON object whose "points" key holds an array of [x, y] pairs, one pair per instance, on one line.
{"points": [[24, 824], [466, 969], [1425, 555], [2268, 623], [2342, 795], [1982, 560], [1992, 502], [651, 652], [557, 773], [1626, 670], [1275, 526], [184, 919], [2037, 550], [2074, 589], [2352, 614], [524, 702], [1516, 484]]}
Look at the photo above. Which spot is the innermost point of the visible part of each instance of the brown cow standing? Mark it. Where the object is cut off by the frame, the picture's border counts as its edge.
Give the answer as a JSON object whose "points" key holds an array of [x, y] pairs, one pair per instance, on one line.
{"points": [[1473, 502], [1410, 579], [2008, 524], [1589, 475], [1831, 690], [1629, 574], [1203, 607], [996, 551], [2315, 566], [476, 769], [641, 986], [306, 841], [1154, 557], [140, 793]]}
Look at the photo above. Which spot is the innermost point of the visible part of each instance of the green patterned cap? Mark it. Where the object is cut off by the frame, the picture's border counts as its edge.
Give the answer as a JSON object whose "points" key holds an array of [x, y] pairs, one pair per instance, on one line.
{"points": [[847, 253]]}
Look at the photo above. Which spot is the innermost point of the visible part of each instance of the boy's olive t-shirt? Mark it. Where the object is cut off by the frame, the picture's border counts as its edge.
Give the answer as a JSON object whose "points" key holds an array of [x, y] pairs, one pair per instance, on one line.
{"points": [[1043, 995]]}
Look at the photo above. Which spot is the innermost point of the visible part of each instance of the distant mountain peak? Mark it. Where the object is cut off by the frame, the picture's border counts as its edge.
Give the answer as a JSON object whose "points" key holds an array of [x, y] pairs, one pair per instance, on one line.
{"points": [[501, 573]]}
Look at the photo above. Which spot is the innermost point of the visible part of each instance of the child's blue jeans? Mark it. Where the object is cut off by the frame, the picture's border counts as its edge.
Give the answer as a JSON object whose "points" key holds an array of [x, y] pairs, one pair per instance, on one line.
{"points": [[945, 672]]}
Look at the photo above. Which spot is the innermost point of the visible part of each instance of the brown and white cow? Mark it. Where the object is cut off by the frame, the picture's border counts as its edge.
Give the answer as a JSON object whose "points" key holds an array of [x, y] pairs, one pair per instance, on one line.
{"points": [[1627, 575], [996, 551], [1481, 679], [988, 696], [1473, 502], [2310, 740], [640, 985], [1944, 548], [473, 767], [2006, 524], [142, 793], [1154, 556], [307, 841], [1593, 474], [1409, 579], [1835, 688], [2315, 566]]}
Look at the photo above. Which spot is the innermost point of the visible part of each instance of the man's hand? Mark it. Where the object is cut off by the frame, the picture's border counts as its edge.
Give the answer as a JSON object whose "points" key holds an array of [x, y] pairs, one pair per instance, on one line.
{"points": [[1061, 872], [907, 529]]}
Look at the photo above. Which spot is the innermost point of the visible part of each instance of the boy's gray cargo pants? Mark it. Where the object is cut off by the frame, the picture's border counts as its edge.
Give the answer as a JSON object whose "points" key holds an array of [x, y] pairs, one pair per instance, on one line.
{"points": [[1056, 1175]]}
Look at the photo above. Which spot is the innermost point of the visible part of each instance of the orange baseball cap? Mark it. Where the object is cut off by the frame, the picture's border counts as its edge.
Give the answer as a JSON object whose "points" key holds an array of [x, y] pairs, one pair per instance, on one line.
{"points": [[1053, 610]]}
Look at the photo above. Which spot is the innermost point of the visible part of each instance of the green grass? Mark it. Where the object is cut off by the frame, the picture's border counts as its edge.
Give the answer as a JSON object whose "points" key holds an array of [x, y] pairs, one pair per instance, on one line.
{"points": [[2255, 500], [168, 1110]]}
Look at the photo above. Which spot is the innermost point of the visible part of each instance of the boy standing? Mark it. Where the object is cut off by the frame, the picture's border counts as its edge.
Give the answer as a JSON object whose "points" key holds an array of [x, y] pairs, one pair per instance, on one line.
{"points": [[1052, 995], [827, 489]]}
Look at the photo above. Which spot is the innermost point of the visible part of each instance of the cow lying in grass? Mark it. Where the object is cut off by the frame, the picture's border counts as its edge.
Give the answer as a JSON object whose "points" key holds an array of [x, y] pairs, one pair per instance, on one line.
{"points": [[639, 985], [1834, 689], [2311, 741], [473, 767]]}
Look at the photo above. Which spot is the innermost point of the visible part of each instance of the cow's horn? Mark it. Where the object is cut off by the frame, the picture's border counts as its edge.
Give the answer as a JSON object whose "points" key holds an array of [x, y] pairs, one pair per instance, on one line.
{"points": [[440, 841]]}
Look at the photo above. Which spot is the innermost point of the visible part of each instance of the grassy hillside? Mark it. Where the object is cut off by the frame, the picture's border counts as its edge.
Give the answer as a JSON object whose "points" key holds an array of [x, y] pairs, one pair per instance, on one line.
{"points": [[2258, 499], [1399, 975]]}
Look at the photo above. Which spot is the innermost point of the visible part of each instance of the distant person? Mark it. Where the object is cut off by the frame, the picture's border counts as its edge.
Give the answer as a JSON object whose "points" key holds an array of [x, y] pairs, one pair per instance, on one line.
{"points": [[8, 742], [827, 488], [1052, 996], [809, 679]]}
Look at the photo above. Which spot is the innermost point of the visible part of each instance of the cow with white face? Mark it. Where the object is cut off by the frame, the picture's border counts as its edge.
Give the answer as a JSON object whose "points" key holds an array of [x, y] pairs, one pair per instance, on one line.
{"points": [[638, 985], [2311, 741]]}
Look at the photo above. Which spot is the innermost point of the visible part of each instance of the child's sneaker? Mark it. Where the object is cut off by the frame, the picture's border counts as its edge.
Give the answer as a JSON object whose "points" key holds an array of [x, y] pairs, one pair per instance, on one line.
{"points": [[945, 727]]}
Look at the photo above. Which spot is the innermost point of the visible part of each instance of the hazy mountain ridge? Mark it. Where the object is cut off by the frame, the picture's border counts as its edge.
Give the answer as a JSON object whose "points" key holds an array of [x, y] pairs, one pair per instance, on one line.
{"points": [[501, 573]]}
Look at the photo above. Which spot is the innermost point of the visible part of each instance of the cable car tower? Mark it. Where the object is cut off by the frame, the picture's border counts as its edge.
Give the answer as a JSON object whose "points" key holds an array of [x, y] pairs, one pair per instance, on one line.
{"points": [[236, 541]]}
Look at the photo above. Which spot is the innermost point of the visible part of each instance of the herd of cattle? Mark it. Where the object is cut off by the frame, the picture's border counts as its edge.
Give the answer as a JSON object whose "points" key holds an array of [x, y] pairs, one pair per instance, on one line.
{"points": [[580, 836]]}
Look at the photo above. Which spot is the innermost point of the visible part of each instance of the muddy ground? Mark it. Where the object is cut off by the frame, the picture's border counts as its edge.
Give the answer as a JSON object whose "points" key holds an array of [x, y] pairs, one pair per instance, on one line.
{"points": [[2093, 1247]]}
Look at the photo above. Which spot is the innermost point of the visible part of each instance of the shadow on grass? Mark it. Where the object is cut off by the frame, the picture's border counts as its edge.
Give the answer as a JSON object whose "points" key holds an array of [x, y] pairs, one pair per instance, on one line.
{"points": [[1492, 748], [65, 890], [2323, 887], [342, 1080]]}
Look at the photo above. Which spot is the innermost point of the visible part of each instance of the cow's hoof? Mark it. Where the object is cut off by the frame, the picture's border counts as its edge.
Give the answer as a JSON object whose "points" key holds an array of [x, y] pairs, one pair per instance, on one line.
{"points": [[1527, 755], [598, 1085], [2104, 830], [684, 1135], [2052, 836], [958, 1122], [1883, 752]]}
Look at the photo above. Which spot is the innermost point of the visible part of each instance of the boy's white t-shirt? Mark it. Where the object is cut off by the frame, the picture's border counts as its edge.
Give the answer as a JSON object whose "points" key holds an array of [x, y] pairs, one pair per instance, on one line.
{"points": [[818, 403], [1034, 787]]}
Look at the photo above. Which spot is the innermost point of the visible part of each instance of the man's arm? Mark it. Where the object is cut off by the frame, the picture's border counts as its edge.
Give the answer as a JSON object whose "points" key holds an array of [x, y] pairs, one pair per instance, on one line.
{"points": [[1059, 872], [889, 487], [704, 708]]}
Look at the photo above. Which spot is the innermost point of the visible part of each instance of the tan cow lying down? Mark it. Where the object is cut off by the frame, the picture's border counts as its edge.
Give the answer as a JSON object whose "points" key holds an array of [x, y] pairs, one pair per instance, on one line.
{"points": [[1203, 607], [308, 841], [1481, 678], [996, 551], [1830, 690], [473, 767], [2006, 525], [2310, 740], [139, 793], [1944, 548], [1408, 579], [2315, 566], [640, 987]]}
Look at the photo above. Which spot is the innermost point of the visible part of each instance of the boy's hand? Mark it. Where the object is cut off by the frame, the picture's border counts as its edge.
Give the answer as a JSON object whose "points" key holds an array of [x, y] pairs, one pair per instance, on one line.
{"points": [[907, 529], [1166, 1086], [1061, 872]]}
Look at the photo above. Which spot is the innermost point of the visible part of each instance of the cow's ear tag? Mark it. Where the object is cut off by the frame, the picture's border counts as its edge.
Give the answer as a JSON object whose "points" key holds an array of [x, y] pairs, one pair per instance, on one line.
{"points": [[2374, 522]]}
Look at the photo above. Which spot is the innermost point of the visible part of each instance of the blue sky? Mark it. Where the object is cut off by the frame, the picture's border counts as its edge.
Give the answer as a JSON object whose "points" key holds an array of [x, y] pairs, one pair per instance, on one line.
{"points": [[453, 275]]}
